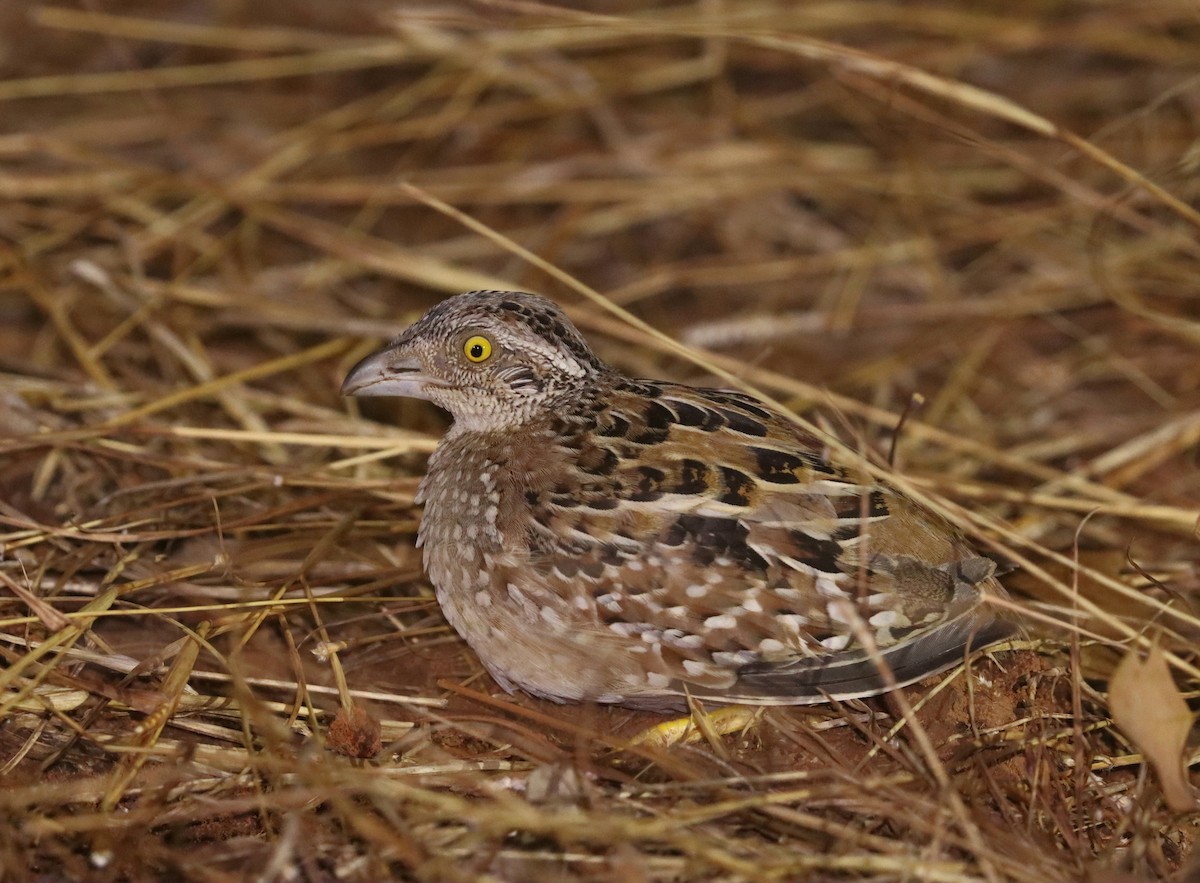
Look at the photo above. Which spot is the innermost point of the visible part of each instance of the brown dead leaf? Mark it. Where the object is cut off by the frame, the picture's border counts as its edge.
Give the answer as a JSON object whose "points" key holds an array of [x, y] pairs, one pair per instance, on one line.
{"points": [[1147, 707]]}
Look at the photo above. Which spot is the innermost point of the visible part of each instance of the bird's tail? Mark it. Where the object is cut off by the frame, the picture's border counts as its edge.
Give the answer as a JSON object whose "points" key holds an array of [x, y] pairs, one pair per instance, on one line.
{"points": [[858, 673]]}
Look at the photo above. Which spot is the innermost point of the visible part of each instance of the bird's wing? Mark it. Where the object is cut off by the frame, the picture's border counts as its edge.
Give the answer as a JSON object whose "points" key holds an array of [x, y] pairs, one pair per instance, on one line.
{"points": [[711, 529]]}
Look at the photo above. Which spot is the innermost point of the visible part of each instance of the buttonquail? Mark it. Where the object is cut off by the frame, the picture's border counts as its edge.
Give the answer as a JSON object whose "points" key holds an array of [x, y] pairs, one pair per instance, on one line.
{"points": [[597, 537]]}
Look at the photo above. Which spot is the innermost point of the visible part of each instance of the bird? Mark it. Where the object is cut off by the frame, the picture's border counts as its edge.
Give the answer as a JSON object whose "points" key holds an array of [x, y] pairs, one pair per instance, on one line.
{"points": [[595, 537]]}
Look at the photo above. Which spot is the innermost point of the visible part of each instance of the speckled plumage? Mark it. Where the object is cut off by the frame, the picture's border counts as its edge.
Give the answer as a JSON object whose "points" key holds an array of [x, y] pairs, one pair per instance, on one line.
{"points": [[596, 537]]}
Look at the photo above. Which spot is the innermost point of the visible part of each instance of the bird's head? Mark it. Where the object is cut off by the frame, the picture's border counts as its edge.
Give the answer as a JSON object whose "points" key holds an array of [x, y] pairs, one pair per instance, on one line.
{"points": [[493, 359]]}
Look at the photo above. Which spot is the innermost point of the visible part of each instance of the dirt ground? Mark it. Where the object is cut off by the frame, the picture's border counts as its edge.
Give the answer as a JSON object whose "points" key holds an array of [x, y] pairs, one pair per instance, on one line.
{"points": [[961, 241]]}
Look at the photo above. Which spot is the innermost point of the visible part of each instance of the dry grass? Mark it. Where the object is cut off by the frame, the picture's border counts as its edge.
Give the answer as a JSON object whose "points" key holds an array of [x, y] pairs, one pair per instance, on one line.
{"points": [[206, 553]]}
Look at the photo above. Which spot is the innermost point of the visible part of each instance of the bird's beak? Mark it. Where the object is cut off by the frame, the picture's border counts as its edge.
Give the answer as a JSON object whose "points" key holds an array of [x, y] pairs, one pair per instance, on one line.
{"points": [[388, 373]]}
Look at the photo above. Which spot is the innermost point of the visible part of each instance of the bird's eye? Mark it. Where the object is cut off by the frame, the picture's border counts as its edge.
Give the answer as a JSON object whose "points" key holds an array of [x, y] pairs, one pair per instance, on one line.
{"points": [[478, 348]]}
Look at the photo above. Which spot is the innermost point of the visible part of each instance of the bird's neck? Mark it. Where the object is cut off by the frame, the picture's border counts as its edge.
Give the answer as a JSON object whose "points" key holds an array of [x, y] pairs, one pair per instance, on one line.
{"points": [[479, 478]]}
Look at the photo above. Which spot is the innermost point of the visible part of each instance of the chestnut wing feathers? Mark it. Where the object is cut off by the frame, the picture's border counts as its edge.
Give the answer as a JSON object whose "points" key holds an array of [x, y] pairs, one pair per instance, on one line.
{"points": [[736, 565]]}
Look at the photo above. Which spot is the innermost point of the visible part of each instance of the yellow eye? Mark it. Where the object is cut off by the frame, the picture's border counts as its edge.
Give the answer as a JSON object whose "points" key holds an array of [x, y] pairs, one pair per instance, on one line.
{"points": [[478, 348]]}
